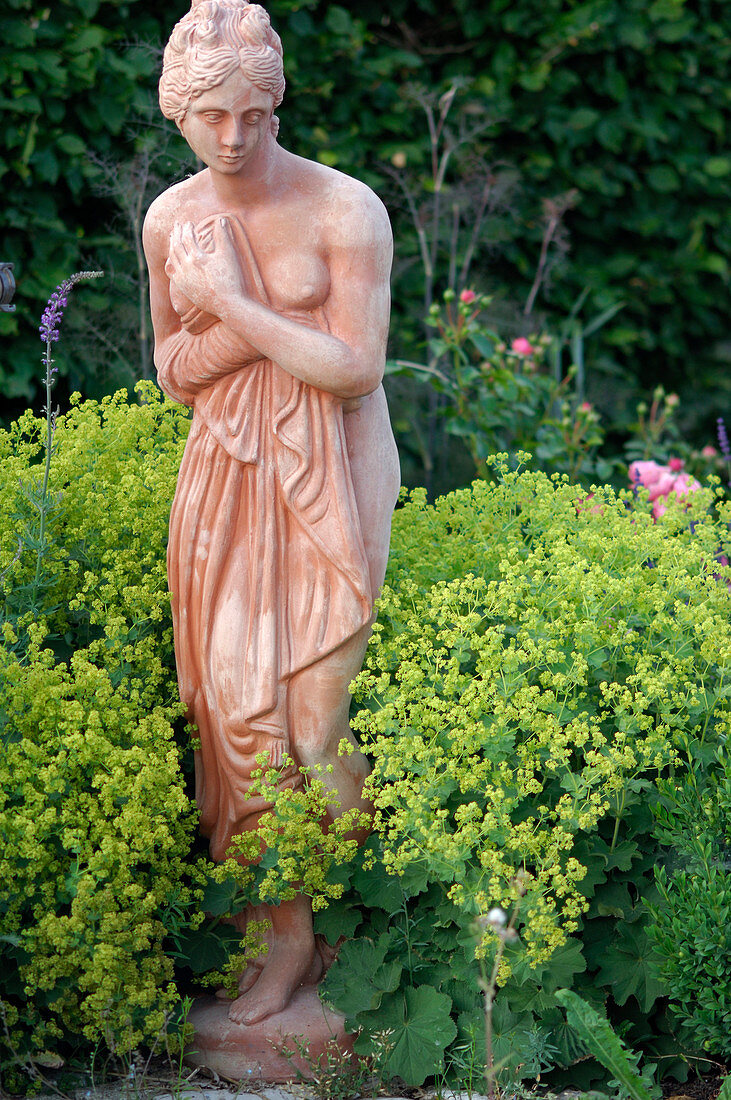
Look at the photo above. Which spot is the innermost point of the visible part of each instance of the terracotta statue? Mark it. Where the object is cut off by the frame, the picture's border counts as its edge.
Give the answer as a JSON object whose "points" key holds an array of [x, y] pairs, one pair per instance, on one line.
{"points": [[270, 302]]}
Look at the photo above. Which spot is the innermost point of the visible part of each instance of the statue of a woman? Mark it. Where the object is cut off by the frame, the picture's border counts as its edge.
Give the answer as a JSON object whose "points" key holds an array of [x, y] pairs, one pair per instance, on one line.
{"points": [[270, 302]]}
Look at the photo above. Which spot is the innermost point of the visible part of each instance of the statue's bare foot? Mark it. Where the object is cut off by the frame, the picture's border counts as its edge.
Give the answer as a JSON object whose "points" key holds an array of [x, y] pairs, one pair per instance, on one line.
{"points": [[248, 976], [273, 988]]}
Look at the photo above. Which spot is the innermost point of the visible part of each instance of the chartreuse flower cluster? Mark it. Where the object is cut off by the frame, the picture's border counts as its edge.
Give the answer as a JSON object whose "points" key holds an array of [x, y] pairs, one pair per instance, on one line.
{"points": [[532, 659], [95, 822], [302, 838]]}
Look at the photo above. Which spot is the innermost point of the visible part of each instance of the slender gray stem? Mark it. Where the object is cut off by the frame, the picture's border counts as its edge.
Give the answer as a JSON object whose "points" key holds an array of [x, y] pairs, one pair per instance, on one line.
{"points": [[551, 228]]}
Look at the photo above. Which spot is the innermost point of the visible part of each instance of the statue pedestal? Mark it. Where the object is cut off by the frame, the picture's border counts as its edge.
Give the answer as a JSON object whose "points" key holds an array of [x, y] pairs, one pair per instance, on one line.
{"points": [[255, 1052]]}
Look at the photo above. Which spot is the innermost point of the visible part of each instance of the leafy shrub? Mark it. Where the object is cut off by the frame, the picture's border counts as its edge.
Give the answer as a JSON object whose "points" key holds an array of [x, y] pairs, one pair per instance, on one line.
{"points": [[538, 661], [94, 818], [500, 398], [692, 917], [624, 102]]}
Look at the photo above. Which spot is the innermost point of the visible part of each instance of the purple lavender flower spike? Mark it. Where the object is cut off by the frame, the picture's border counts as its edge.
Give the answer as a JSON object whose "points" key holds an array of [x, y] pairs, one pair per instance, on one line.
{"points": [[723, 439], [53, 313]]}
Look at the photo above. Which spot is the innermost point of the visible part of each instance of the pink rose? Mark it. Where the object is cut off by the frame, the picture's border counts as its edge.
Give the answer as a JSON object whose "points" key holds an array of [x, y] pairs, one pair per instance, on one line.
{"points": [[685, 484], [682, 485], [662, 482], [521, 346], [657, 479], [645, 472], [585, 407], [709, 451], [468, 297], [662, 486]]}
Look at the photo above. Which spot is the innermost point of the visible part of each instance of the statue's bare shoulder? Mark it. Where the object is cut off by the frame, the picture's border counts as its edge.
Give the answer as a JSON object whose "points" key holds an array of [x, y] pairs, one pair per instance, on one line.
{"points": [[350, 214], [165, 210]]}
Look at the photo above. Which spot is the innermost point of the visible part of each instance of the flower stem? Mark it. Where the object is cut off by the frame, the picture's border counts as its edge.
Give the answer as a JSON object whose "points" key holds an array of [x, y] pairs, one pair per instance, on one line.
{"points": [[47, 467]]}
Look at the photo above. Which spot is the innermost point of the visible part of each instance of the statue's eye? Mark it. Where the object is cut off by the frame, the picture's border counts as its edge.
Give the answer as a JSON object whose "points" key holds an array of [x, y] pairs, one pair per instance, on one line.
{"points": [[253, 117], [213, 116]]}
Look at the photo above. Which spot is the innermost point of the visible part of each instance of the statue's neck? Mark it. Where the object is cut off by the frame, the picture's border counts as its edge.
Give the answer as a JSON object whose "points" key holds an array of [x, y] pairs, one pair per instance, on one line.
{"points": [[255, 182]]}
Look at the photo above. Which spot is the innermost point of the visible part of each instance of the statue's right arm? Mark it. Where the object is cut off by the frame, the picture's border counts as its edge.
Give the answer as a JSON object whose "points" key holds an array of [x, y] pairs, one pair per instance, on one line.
{"points": [[186, 362]]}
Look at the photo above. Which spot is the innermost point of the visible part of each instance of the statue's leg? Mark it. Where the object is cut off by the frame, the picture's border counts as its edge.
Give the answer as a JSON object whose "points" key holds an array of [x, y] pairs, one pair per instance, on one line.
{"points": [[319, 705], [291, 962]]}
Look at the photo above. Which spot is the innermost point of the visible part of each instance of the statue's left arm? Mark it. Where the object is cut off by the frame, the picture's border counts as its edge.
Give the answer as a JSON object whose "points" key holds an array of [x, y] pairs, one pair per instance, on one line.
{"points": [[349, 359]]}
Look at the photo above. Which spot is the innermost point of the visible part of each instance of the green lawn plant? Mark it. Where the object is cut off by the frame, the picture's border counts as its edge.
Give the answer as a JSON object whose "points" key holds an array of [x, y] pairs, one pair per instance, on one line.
{"points": [[692, 916], [600, 1039]]}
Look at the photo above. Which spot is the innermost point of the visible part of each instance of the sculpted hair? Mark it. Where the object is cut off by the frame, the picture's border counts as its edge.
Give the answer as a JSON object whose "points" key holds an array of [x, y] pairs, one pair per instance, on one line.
{"points": [[214, 40]]}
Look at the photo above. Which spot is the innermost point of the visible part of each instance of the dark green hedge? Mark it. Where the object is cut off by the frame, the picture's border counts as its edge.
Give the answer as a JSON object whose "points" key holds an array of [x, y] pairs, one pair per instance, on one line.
{"points": [[626, 101]]}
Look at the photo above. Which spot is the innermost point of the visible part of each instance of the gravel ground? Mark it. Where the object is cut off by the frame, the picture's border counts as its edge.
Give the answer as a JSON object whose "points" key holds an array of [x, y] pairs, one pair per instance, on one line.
{"points": [[153, 1088], [213, 1092]]}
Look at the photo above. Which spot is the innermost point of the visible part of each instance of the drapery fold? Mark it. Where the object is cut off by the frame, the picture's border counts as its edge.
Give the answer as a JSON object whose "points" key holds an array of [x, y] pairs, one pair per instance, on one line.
{"points": [[266, 562]]}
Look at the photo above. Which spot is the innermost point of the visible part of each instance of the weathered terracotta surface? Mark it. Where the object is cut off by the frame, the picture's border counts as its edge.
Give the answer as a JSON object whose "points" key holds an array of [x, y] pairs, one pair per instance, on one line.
{"points": [[270, 302], [271, 1049]]}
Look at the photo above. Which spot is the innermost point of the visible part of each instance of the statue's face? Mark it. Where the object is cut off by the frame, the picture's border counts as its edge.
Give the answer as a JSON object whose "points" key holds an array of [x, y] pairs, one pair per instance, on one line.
{"points": [[228, 125]]}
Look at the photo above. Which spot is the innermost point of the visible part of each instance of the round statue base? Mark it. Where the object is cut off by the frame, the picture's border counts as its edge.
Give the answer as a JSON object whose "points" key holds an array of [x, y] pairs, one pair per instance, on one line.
{"points": [[270, 1050]]}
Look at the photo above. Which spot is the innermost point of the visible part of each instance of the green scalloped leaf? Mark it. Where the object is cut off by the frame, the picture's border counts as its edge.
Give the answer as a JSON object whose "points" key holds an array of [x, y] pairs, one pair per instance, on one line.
{"points": [[358, 979], [421, 1030]]}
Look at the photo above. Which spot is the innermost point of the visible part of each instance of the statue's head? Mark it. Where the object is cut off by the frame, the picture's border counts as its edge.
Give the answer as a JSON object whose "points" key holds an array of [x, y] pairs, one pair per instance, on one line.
{"points": [[215, 39]]}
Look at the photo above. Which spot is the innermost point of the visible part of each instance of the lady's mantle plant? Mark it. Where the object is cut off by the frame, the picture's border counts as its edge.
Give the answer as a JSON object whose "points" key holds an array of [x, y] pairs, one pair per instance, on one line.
{"points": [[536, 665], [94, 818]]}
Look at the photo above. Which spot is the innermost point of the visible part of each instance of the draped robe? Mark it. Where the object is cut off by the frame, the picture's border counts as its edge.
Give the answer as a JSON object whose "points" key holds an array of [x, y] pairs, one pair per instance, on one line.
{"points": [[266, 562]]}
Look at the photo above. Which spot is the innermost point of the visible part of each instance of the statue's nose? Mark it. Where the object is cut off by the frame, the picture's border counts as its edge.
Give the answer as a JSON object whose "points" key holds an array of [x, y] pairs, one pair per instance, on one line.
{"points": [[233, 135]]}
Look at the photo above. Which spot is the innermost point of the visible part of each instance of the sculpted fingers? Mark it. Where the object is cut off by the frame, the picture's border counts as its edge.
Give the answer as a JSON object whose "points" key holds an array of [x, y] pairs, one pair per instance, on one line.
{"points": [[189, 240], [223, 238], [183, 242]]}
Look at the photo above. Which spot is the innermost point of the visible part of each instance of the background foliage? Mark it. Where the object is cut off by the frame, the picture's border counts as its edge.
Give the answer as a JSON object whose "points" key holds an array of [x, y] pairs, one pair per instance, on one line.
{"points": [[622, 106]]}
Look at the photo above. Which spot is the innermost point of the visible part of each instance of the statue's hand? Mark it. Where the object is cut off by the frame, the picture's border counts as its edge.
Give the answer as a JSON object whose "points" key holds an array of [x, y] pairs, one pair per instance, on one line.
{"points": [[207, 274], [192, 319]]}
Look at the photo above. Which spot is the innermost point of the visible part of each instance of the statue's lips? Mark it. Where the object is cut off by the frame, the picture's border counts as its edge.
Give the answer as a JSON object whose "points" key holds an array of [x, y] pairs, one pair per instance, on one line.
{"points": [[231, 159]]}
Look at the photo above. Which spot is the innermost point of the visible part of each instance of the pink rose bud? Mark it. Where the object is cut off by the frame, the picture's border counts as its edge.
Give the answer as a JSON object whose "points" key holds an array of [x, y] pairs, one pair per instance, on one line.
{"points": [[709, 452], [521, 346], [467, 296], [585, 407], [672, 400], [676, 465]]}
